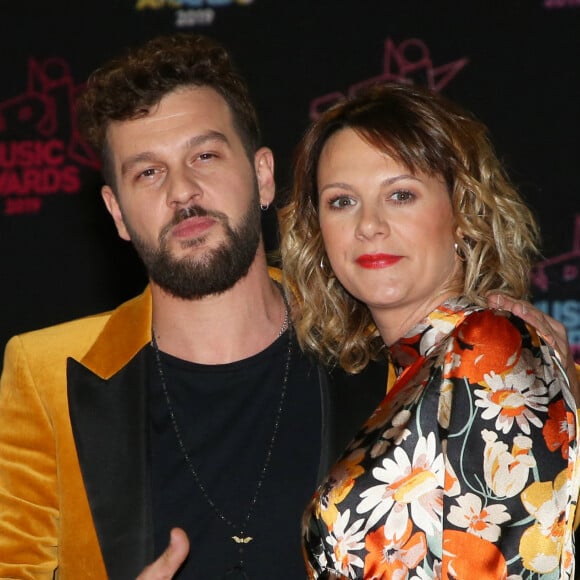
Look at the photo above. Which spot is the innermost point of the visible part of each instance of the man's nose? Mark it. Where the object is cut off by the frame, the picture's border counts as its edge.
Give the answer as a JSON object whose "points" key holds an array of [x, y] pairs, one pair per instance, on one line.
{"points": [[183, 187]]}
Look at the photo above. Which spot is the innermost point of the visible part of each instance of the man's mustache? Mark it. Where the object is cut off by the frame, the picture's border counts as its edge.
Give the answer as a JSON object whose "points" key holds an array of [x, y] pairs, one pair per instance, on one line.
{"points": [[188, 212]]}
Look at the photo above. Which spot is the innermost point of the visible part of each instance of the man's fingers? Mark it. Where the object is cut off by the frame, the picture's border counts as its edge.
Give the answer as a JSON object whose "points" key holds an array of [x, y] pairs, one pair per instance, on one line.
{"points": [[177, 551], [165, 567], [553, 331]]}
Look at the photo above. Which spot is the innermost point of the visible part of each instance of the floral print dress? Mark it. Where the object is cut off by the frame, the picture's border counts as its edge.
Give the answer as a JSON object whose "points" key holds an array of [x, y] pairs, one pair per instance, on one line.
{"points": [[467, 469]]}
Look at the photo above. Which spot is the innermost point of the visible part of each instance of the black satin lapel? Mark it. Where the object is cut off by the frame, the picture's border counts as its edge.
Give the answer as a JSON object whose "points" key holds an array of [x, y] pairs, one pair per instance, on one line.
{"points": [[109, 421]]}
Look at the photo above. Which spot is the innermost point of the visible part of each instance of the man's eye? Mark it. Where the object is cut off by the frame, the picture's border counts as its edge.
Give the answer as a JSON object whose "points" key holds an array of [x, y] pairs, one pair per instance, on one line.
{"points": [[206, 156], [147, 173]]}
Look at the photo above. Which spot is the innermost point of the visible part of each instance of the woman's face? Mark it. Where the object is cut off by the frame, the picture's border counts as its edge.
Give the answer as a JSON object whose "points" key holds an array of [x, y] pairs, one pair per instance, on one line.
{"points": [[388, 233]]}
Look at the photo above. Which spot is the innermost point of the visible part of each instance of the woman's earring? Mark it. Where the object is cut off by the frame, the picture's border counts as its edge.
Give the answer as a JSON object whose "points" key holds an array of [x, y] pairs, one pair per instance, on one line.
{"points": [[264, 206], [325, 267], [459, 252]]}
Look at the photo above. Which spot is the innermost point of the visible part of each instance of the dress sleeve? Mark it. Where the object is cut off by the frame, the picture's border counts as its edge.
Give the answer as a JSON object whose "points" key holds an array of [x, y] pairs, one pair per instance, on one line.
{"points": [[510, 451], [28, 489]]}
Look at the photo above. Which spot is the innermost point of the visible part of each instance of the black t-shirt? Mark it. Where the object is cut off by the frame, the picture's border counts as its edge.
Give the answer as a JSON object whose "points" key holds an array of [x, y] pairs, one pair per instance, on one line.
{"points": [[226, 415]]}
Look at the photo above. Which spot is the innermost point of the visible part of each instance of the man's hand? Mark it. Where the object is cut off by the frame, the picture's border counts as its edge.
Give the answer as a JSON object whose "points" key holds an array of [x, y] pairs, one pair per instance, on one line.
{"points": [[552, 331], [170, 561]]}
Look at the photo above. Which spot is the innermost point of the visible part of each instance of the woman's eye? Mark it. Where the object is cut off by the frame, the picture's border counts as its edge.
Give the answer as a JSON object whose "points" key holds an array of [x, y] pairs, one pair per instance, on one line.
{"points": [[402, 196], [340, 202]]}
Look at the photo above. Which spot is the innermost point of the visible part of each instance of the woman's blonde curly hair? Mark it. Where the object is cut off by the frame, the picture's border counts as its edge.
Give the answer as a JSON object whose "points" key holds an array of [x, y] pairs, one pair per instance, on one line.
{"points": [[428, 134]]}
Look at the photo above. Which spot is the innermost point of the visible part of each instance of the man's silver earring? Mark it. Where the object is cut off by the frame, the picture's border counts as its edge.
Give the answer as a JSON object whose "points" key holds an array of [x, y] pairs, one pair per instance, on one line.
{"points": [[264, 206]]}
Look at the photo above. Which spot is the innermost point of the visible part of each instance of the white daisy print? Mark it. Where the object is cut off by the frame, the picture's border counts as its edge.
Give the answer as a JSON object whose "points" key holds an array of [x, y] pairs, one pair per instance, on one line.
{"points": [[415, 485], [346, 540], [512, 398], [482, 521]]}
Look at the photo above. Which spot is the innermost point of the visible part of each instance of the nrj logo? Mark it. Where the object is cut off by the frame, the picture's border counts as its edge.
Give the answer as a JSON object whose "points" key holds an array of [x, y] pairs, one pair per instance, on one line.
{"points": [[40, 147], [408, 62], [190, 12]]}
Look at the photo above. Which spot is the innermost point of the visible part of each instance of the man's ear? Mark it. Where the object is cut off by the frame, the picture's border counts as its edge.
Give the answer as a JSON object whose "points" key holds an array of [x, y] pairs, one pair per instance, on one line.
{"points": [[264, 167], [114, 209]]}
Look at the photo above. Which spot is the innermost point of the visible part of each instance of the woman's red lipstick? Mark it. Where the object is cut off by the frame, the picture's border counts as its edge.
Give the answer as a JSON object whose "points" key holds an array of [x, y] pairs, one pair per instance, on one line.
{"points": [[376, 261]]}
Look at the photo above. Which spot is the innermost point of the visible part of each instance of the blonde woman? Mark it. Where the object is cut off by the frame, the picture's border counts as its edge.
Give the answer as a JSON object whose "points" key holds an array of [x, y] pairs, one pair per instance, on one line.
{"points": [[401, 221]]}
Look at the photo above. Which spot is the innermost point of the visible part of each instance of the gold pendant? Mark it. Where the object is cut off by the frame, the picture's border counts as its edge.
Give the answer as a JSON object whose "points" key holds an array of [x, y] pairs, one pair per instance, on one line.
{"points": [[239, 540]]}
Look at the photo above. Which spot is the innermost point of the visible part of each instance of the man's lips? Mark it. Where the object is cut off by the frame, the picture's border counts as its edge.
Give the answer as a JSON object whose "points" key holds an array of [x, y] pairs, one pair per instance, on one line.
{"points": [[376, 261], [192, 227]]}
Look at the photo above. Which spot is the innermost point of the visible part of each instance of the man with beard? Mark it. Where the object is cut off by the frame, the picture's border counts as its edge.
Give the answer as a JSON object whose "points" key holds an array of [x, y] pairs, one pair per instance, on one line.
{"points": [[191, 407]]}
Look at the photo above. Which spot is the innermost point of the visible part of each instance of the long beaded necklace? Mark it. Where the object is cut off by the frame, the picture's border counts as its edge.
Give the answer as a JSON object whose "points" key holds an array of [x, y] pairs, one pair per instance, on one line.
{"points": [[240, 531]]}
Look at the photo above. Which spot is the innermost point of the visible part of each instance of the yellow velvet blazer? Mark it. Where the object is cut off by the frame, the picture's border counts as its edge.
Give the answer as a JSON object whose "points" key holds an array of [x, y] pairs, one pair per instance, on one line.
{"points": [[75, 502], [44, 504]]}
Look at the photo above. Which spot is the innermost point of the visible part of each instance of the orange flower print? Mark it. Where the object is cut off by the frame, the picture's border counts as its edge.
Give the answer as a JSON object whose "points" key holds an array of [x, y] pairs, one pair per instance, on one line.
{"points": [[556, 429], [392, 556], [404, 392], [513, 397], [479, 356], [466, 556], [430, 333], [338, 484], [382, 414]]}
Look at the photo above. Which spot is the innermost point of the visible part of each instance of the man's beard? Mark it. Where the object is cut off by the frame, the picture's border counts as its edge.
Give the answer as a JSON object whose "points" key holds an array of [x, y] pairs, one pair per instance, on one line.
{"points": [[213, 272]]}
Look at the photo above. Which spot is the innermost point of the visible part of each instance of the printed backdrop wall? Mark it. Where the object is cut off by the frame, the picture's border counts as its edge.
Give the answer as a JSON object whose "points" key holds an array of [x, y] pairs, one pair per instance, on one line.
{"points": [[516, 64]]}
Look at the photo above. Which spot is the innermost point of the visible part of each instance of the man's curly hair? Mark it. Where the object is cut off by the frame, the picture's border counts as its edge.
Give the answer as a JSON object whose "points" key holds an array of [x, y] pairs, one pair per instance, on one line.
{"points": [[129, 86]]}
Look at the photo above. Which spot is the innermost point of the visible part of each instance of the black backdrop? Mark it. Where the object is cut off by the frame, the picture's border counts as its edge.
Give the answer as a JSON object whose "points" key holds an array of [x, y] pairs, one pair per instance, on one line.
{"points": [[515, 63]]}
